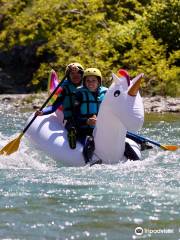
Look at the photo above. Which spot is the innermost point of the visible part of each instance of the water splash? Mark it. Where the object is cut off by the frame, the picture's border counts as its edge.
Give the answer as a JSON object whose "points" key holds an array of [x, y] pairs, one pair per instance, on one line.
{"points": [[26, 157]]}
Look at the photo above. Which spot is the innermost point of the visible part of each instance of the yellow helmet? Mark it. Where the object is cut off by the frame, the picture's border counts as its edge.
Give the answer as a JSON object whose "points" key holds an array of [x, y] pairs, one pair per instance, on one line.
{"points": [[93, 72], [78, 65]]}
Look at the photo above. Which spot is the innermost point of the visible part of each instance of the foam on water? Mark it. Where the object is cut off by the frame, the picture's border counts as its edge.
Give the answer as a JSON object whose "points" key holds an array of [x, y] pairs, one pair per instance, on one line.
{"points": [[24, 158]]}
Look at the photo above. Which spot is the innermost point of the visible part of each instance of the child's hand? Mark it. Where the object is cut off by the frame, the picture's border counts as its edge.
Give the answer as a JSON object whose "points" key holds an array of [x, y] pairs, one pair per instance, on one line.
{"points": [[92, 120]]}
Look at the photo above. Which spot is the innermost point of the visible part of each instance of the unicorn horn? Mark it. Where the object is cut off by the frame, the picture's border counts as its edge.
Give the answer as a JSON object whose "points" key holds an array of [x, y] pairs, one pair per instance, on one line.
{"points": [[135, 87]]}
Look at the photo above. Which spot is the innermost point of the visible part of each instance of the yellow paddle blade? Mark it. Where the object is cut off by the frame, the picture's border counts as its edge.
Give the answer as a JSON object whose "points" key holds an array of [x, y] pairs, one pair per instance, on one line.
{"points": [[170, 147], [12, 146]]}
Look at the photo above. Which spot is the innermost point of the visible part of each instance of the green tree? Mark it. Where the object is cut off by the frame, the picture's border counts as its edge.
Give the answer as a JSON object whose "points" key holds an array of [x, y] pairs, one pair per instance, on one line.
{"points": [[138, 35], [163, 19]]}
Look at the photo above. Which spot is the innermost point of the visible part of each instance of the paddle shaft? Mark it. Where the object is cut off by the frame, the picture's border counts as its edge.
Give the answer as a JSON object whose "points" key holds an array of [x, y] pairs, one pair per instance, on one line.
{"points": [[44, 104], [143, 139]]}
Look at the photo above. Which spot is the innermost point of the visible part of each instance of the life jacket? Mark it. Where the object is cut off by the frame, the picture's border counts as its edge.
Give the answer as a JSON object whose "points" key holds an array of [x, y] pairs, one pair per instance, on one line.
{"points": [[90, 103], [69, 98]]}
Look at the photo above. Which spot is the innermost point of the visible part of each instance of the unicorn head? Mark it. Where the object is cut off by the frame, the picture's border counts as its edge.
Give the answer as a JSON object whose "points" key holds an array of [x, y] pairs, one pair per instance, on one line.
{"points": [[121, 111], [124, 100]]}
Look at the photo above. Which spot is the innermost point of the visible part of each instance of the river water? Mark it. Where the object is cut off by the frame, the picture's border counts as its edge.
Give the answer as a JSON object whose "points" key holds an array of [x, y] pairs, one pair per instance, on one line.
{"points": [[40, 199]]}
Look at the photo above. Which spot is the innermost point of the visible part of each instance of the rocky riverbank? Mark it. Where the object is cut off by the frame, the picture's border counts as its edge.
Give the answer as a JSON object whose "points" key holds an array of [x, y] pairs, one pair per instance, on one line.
{"points": [[30, 102]]}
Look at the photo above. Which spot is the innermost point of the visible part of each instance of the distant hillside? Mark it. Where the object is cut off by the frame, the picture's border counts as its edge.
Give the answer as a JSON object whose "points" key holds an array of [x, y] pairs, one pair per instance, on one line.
{"points": [[138, 35]]}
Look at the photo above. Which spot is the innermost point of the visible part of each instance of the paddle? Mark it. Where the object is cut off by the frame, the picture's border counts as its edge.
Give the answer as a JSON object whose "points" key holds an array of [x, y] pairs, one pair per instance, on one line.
{"points": [[143, 139], [13, 146]]}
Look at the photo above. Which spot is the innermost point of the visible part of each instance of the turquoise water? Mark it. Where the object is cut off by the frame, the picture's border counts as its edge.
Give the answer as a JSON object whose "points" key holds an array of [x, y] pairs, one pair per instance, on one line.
{"points": [[40, 199]]}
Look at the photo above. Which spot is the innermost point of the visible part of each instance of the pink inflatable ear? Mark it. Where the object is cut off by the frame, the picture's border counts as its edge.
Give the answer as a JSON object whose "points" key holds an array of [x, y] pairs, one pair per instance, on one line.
{"points": [[124, 73]]}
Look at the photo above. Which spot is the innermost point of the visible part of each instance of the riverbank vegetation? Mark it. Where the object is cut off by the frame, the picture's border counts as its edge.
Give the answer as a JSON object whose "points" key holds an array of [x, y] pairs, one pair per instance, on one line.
{"points": [[138, 35]]}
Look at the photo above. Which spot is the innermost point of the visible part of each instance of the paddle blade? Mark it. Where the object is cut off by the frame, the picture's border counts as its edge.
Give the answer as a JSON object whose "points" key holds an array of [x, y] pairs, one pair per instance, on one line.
{"points": [[12, 146], [169, 147]]}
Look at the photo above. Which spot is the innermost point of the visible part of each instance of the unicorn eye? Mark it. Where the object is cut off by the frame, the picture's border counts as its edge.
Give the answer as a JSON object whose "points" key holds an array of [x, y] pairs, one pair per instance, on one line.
{"points": [[117, 93]]}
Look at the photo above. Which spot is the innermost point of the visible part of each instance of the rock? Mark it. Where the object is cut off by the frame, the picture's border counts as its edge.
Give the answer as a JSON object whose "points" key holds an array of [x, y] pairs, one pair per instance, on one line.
{"points": [[161, 104], [31, 102]]}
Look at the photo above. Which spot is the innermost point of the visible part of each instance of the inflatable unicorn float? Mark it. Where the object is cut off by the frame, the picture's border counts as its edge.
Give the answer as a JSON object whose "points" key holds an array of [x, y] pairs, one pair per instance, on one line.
{"points": [[121, 111]]}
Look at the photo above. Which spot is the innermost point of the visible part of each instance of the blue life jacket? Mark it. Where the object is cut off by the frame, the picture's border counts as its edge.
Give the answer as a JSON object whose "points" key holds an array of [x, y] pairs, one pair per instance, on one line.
{"points": [[90, 103], [69, 98]]}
